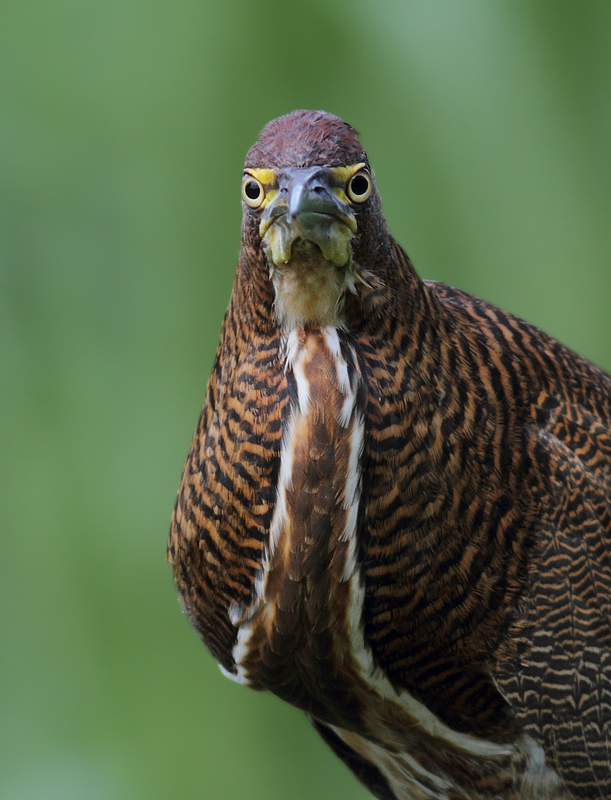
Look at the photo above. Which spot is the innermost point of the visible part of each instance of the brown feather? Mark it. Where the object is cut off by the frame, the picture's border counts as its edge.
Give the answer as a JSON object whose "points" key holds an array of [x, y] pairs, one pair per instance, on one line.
{"points": [[435, 595]]}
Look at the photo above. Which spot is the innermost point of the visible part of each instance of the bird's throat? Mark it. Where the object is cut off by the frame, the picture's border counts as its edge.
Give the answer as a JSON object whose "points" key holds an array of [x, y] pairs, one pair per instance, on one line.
{"points": [[309, 290]]}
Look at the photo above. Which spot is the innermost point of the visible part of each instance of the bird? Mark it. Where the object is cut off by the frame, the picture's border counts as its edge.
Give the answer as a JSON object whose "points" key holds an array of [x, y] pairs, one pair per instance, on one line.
{"points": [[395, 514]]}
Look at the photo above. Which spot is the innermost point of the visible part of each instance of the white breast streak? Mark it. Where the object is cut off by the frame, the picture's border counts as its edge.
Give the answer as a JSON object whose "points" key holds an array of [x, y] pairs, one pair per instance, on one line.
{"points": [[296, 355], [284, 482], [399, 768], [540, 780], [404, 773], [379, 683], [239, 652], [369, 670], [351, 419], [240, 616]]}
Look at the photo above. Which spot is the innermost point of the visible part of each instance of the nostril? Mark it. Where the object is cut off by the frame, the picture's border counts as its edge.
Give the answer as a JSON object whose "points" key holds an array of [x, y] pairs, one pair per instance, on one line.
{"points": [[319, 189]]}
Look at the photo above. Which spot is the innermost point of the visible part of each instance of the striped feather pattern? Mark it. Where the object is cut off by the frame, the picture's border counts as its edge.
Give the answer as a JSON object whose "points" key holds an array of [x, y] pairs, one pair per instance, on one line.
{"points": [[402, 524]]}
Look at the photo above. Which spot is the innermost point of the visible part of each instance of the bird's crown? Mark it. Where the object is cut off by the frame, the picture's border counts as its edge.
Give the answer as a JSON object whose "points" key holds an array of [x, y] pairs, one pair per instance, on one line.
{"points": [[305, 139]]}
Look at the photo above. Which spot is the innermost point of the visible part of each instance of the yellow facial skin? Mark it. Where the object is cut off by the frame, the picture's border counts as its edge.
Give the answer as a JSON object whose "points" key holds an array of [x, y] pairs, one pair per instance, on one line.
{"points": [[268, 179], [312, 204], [306, 222]]}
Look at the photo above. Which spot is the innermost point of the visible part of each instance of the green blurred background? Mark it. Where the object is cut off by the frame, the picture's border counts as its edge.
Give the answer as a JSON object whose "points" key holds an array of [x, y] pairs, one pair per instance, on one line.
{"points": [[123, 127]]}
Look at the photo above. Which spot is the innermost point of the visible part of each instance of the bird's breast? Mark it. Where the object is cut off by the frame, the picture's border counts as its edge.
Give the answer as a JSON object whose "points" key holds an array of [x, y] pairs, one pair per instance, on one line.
{"points": [[301, 636], [284, 609], [293, 636]]}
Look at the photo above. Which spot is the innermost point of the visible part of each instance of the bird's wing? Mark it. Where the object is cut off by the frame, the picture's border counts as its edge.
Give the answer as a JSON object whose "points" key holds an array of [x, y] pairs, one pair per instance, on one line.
{"points": [[560, 687], [558, 679]]}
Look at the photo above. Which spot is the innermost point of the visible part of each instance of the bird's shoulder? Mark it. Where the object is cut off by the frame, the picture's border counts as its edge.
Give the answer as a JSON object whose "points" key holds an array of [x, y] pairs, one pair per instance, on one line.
{"points": [[542, 363]]}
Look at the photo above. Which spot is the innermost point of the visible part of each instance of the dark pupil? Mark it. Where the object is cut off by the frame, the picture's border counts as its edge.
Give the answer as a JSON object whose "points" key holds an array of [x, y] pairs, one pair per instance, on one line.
{"points": [[252, 190], [360, 184]]}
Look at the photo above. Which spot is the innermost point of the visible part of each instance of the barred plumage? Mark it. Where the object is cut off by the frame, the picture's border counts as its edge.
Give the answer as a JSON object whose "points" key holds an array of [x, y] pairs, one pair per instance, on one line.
{"points": [[396, 511]]}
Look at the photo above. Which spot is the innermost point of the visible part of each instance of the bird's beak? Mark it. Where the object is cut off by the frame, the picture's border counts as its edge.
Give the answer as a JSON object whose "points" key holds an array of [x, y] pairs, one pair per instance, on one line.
{"points": [[308, 206]]}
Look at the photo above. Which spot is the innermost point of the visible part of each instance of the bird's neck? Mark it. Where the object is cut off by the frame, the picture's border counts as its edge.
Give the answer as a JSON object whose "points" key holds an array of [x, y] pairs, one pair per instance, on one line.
{"points": [[375, 295]]}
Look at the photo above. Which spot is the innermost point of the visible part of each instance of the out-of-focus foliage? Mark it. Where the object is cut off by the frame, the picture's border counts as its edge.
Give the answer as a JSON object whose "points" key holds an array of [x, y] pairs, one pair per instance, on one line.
{"points": [[123, 125]]}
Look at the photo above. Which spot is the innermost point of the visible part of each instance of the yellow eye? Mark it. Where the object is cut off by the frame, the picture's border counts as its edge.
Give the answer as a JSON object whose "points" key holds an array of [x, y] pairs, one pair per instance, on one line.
{"points": [[360, 186], [253, 192]]}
